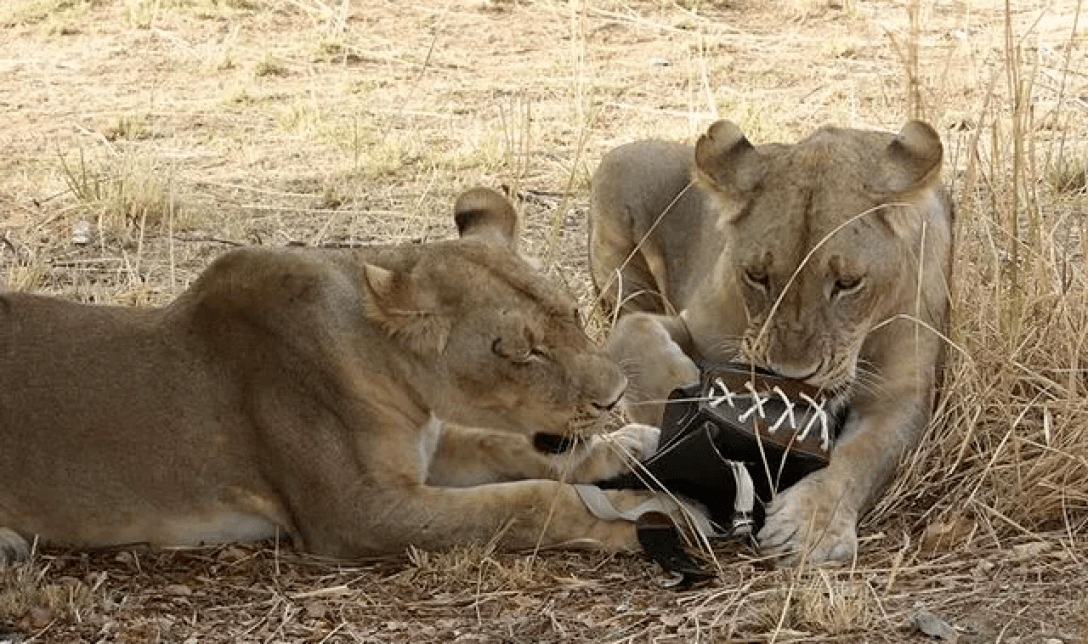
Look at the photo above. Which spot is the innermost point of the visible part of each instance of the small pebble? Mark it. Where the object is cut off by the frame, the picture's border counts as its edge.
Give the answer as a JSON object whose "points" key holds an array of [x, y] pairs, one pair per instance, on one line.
{"points": [[933, 626], [81, 233]]}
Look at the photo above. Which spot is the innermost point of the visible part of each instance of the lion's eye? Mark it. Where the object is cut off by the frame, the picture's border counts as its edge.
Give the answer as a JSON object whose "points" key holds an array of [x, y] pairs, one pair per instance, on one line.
{"points": [[536, 354], [758, 278], [847, 284], [520, 356]]}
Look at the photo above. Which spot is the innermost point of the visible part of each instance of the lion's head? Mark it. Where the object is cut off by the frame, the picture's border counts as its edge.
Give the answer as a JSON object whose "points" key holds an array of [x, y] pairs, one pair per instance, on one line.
{"points": [[829, 240], [503, 347]]}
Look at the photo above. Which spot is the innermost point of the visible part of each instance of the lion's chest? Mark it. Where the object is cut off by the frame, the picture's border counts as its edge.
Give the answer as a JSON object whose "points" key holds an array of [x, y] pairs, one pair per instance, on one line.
{"points": [[427, 444]]}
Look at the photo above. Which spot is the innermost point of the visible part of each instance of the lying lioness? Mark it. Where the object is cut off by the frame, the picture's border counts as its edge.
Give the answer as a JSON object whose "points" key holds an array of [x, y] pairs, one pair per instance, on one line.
{"points": [[825, 261], [301, 392]]}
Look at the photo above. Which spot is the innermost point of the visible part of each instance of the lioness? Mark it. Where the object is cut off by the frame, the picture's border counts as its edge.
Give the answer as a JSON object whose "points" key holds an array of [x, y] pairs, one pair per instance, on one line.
{"points": [[303, 392], [826, 261]]}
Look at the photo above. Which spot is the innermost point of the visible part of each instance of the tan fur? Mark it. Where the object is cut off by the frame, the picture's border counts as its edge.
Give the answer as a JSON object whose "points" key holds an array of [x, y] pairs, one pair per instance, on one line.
{"points": [[827, 260], [299, 392]]}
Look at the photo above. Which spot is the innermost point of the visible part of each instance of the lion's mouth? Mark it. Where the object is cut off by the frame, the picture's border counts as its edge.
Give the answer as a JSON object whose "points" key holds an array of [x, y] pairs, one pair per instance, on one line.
{"points": [[836, 397], [554, 443]]}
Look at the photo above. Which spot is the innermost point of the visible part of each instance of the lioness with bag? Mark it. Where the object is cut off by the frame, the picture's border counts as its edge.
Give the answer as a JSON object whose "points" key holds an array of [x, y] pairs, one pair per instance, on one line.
{"points": [[826, 261]]}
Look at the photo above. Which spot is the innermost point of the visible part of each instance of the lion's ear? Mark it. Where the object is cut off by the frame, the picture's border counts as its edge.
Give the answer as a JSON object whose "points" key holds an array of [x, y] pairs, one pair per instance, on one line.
{"points": [[726, 160], [909, 165], [404, 310], [912, 159], [484, 214]]}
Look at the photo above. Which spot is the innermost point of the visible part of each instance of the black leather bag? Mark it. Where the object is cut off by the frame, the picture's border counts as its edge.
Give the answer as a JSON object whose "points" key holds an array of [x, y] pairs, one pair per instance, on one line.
{"points": [[733, 439]]}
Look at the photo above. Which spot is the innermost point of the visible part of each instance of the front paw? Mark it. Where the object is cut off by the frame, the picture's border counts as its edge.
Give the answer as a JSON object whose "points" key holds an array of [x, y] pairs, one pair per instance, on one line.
{"points": [[616, 453], [653, 363], [813, 521], [635, 441]]}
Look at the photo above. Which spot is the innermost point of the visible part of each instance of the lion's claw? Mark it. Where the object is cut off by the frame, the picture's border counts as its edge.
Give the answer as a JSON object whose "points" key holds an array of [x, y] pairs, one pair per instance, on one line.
{"points": [[811, 521]]}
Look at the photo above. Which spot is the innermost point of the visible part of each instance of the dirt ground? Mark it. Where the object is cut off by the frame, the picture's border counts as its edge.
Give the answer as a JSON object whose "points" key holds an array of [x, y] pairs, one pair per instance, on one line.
{"points": [[140, 138]]}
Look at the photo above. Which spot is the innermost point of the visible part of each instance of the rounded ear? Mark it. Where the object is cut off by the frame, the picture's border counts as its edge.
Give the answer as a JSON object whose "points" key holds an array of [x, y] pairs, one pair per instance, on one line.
{"points": [[912, 159], [382, 286], [485, 214], [394, 302], [726, 160]]}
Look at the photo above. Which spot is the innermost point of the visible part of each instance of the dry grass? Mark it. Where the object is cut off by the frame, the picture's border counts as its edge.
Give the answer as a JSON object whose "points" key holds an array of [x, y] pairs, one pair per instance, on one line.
{"points": [[176, 128]]}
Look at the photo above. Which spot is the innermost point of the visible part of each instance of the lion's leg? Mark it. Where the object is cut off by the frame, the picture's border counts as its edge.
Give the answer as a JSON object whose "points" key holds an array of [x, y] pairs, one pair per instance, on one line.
{"points": [[518, 515], [468, 456], [816, 518], [627, 274], [650, 351]]}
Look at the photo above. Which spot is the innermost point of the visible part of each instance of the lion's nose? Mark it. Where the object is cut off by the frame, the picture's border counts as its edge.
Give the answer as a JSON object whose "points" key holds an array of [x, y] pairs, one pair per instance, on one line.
{"points": [[797, 371], [611, 398], [607, 406]]}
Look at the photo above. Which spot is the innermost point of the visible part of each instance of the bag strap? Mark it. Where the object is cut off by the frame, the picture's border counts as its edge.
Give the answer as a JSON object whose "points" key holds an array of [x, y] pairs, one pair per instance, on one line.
{"points": [[744, 501]]}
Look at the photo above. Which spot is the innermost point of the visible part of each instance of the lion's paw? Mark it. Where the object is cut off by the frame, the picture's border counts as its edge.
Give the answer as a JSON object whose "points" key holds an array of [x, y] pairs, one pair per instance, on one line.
{"points": [[615, 453], [653, 363], [636, 440], [12, 547], [811, 521]]}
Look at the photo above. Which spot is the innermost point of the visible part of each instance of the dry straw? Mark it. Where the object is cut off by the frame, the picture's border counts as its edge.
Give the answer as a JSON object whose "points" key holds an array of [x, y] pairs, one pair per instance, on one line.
{"points": [[1007, 452]]}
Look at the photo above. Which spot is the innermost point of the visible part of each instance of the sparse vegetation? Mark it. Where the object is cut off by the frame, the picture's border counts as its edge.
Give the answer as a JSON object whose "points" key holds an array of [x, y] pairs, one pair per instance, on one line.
{"points": [[31, 12], [126, 197], [270, 67], [332, 121], [128, 128], [1071, 178], [818, 601], [28, 594]]}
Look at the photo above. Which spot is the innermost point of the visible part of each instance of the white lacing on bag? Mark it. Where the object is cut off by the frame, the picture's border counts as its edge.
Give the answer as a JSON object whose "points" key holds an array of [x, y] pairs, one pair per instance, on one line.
{"points": [[719, 394]]}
